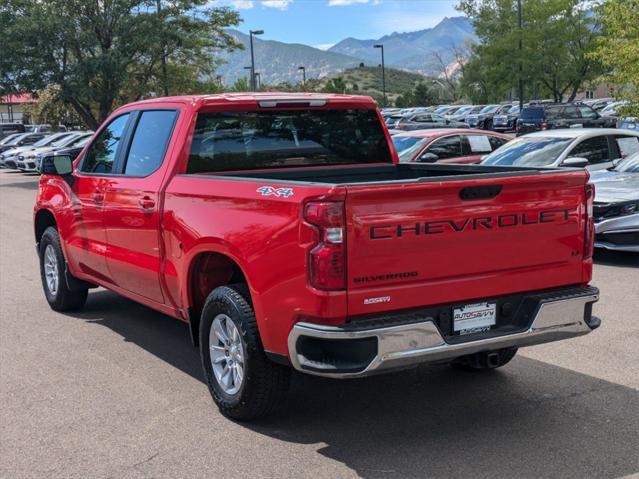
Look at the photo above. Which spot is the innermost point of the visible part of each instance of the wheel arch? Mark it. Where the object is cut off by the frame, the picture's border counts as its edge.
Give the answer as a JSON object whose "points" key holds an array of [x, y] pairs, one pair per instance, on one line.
{"points": [[207, 270], [42, 220]]}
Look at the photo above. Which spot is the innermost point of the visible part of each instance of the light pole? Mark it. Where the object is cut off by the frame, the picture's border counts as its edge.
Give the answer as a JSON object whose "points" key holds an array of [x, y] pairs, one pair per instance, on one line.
{"points": [[521, 78], [381, 46], [251, 33], [303, 75]]}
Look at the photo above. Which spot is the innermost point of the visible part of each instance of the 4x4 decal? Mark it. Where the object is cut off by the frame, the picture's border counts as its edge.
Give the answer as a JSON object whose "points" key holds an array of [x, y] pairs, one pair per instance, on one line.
{"points": [[279, 192]]}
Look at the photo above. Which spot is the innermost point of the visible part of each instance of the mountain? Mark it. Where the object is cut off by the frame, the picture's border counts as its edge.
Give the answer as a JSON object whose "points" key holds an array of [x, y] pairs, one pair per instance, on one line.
{"points": [[278, 62], [413, 50]]}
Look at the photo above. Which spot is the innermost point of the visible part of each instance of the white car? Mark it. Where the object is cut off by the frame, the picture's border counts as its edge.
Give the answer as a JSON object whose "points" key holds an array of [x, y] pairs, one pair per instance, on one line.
{"points": [[29, 160], [592, 148], [10, 157]]}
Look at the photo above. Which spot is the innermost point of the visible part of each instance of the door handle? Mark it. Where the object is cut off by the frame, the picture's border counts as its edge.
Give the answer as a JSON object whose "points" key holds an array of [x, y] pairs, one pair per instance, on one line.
{"points": [[146, 203], [98, 197]]}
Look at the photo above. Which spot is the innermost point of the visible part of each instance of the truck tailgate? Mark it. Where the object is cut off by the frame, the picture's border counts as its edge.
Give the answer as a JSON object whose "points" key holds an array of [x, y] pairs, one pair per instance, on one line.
{"points": [[437, 242]]}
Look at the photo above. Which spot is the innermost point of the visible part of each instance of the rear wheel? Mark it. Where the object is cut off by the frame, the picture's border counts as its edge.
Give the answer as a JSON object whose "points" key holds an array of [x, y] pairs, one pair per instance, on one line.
{"points": [[485, 360], [52, 272], [244, 383]]}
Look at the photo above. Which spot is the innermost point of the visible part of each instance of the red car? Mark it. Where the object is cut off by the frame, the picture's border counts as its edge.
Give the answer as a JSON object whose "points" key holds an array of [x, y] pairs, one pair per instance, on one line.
{"points": [[283, 230], [447, 145]]}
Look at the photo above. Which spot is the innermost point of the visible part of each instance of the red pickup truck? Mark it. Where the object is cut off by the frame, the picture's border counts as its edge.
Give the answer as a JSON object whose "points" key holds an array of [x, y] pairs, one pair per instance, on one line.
{"points": [[284, 231]]}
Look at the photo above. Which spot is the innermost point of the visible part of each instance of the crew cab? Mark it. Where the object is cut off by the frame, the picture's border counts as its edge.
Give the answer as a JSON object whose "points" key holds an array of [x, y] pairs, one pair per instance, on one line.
{"points": [[283, 229]]}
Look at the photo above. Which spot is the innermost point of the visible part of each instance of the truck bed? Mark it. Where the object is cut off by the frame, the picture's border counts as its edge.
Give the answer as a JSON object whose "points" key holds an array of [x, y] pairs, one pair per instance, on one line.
{"points": [[403, 172]]}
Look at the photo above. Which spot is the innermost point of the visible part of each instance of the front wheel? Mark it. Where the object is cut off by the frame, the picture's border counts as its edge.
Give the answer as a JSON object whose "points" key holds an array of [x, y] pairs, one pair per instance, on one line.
{"points": [[52, 272], [244, 383]]}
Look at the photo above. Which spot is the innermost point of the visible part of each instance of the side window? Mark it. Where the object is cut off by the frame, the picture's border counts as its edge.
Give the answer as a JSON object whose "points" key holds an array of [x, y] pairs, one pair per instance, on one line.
{"points": [[150, 140], [448, 147], [571, 113], [553, 112], [479, 144], [587, 112], [595, 150], [496, 142], [626, 145], [101, 155], [423, 118]]}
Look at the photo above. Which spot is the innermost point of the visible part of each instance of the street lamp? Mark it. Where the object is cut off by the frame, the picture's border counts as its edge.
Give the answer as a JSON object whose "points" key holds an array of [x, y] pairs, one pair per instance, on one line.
{"points": [[303, 75], [381, 46], [251, 33]]}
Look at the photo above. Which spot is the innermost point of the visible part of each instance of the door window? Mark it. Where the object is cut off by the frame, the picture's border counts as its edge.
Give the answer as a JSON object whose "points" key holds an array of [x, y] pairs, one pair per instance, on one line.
{"points": [[496, 142], [423, 119], [595, 150], [553, 112], [571, 113], [479, 144], [447, 147], [150, 140], [587, 112], [101, 154]]}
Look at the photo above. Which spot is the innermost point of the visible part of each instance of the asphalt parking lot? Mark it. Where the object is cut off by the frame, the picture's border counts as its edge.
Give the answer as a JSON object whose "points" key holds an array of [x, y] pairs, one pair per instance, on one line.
{"points": [[116, 390]]}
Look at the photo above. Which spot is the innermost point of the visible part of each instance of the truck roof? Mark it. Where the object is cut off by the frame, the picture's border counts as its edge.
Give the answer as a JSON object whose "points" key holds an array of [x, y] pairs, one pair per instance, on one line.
{"points": [[263, 97]]}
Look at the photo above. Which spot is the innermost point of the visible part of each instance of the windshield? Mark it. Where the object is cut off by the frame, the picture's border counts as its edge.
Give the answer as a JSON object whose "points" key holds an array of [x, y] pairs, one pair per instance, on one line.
{"points": [[47, 140], [489, 109], [65, 140], [528, 151], [514, 109], [17, 139], [463, 110], [442, 109], [629, 165], [244, 140], [7, 139], [407, 146]]}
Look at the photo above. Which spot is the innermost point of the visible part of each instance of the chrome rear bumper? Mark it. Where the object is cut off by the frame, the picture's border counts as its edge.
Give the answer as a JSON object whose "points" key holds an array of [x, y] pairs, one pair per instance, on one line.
{"points": [[422, 342]]}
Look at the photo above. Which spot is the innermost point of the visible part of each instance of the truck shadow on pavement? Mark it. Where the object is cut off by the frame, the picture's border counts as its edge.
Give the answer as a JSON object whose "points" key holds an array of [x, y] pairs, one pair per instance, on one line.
{"points": [[616, 258], [530, 419]]}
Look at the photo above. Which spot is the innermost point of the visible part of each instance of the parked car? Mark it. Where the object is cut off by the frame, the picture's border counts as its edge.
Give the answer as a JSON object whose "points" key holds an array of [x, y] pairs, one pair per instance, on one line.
{"points": [[447, 145], [616, 207], [506, 121], [628, 123], [72, 153], [553, 116], [45, 128], [421, 121], [23, 139], [461, 111], [192, 205], [473, 111], [27, 160], [593, 148], [10, 157], [7, 129], [484, 118], [611, 109]]}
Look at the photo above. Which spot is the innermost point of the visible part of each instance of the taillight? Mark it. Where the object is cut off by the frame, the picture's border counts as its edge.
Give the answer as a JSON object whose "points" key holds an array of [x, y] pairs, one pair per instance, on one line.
{"points": [[543, 125], [326, 260], [589, 234]]}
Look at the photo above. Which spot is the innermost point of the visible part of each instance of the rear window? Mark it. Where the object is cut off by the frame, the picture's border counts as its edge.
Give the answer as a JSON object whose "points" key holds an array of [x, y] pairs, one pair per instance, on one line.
{"points": [[227, 141], [532, 114]]}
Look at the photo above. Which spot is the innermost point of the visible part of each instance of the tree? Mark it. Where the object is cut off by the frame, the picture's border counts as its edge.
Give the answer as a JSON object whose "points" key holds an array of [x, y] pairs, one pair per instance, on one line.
{"points": [[618, 50], [105, 53], [557, 35], [51, 109], [335, 85]]}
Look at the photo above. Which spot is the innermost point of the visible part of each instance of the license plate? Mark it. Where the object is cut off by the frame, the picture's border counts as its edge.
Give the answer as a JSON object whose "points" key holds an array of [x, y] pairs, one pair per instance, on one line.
{"points": [[474, 318]]}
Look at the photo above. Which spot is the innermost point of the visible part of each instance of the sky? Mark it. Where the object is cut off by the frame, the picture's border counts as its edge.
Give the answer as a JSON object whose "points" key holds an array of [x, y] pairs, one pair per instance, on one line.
{"points": [[322, 23]]}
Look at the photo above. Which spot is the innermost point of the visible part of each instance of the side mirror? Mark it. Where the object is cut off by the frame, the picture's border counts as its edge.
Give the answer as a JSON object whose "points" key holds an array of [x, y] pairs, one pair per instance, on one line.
{"points": [[616, 162], [428, 157], [58, 166], [575, 162]]}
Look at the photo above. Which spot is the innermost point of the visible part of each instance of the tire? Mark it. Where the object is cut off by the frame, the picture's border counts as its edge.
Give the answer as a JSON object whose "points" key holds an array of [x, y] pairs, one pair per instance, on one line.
{"points": [[244, 383], [52, 268], [486, 360]]}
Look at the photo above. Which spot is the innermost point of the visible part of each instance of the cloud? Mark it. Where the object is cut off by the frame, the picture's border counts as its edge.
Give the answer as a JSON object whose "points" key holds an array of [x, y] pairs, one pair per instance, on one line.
{"points": [[341, 3], [279, 4], [237, 4]]}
